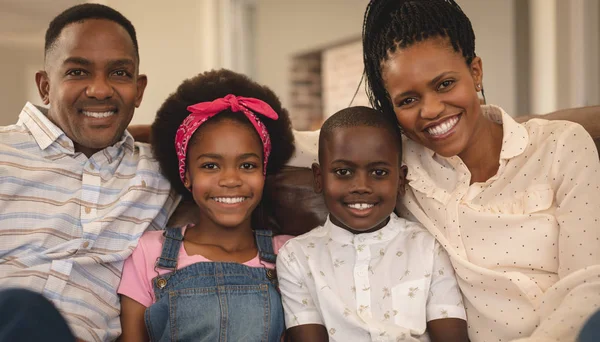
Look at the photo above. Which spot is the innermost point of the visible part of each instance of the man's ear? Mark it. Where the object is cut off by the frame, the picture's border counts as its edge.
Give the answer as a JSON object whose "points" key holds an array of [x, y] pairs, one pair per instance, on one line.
{"points": [[317, 178], [43, 85], [402, 180], [142, 82]]}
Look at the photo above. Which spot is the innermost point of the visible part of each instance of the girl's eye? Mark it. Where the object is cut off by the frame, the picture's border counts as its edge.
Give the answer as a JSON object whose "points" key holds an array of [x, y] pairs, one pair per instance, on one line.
{"points": [[210, 166], [342, 172], [380, 173], [445, 84], [248, 166]]}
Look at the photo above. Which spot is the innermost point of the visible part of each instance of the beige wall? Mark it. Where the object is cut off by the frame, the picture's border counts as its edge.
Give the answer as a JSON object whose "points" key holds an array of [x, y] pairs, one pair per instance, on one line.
{"points": [[18, 65]]}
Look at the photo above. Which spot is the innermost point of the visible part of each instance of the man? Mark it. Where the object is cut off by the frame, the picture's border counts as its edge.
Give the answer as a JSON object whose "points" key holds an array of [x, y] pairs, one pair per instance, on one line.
{"points": [[77, 192]]}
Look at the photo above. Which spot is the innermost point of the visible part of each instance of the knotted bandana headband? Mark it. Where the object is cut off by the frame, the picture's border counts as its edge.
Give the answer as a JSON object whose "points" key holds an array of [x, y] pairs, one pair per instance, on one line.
{"points": [[203, 111]]}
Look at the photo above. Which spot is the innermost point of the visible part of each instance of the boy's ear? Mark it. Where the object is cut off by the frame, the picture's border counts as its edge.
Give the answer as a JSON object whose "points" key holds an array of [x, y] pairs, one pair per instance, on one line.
{"points": [[317, 178], [402, 180]]}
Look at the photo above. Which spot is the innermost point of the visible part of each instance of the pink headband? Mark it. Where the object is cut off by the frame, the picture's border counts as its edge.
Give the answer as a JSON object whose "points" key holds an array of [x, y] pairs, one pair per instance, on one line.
{"points": [[200, 112]]}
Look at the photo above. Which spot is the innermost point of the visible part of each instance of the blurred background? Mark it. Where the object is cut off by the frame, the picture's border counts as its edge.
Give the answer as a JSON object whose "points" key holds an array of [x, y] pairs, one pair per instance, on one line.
{"points": [[538, 55]]}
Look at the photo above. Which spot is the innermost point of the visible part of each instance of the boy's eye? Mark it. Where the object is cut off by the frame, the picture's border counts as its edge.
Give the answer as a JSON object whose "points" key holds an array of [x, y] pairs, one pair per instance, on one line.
{"points": [[342, 172], [380, 173], [248, 166], [121, 73]]}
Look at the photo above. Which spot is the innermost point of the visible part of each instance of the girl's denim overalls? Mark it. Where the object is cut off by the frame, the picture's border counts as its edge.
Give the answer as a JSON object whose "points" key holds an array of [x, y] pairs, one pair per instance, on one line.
{"points": [[215, 301]]}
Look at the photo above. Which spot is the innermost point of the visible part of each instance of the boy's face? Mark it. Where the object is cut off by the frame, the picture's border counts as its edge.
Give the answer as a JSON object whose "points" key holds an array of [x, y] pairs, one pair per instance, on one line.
{"points": [[360, 177]]}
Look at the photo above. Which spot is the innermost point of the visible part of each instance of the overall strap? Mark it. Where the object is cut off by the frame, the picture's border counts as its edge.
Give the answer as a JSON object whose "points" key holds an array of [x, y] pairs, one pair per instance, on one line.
{"points": [[170, 250], [264, 242]]}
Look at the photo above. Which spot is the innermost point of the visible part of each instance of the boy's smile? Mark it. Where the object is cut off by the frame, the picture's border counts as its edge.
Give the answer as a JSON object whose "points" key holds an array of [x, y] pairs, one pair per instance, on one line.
{"points": [[360, 177]]}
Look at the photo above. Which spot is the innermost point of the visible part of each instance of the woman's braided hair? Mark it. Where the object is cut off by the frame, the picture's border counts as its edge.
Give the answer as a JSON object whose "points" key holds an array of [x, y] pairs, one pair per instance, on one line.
{"points": [[392, 24]]}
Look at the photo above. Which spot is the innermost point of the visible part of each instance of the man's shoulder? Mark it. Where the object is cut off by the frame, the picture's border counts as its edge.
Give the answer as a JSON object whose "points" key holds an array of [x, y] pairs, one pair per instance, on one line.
{"points": [[308, 239]]}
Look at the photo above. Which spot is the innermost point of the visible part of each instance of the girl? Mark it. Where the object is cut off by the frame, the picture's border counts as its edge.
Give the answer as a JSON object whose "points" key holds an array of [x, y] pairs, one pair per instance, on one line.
{"points": [[517, 206], [216, 138]]}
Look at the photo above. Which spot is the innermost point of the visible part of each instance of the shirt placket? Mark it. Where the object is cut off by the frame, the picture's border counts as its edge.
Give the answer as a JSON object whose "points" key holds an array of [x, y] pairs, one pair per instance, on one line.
{"points": [[362, 283], [453, 206]]}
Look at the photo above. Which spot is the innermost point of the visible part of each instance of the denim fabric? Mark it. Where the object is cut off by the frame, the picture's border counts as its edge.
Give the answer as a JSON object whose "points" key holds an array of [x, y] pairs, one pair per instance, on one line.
{"points": [[215, 301]]}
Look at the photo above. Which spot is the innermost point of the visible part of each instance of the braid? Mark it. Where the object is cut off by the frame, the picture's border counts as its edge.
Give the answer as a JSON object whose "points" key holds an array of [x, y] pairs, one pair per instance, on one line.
{"points": [[395, 24]]}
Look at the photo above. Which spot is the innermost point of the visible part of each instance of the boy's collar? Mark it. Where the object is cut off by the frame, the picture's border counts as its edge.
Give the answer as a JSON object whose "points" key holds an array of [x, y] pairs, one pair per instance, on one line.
{"points": [[341, 235]]}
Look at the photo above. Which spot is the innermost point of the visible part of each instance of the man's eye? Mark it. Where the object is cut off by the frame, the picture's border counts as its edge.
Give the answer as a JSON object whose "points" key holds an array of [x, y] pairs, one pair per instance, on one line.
{"points": [[75, 72], [342, 172]]}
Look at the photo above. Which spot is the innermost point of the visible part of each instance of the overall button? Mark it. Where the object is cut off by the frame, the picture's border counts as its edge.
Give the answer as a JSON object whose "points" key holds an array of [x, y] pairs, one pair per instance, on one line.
{"points": [[161, 283], [270, 274]]}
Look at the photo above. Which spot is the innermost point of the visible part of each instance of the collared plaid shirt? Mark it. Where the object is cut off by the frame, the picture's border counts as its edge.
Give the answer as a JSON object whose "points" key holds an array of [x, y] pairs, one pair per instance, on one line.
{"points": [[68, 222]]}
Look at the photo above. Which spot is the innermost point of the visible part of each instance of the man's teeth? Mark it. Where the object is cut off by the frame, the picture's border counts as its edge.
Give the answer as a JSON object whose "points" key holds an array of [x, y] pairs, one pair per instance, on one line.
{"points": [[229, 200], [98, 115], [444, 127], [360, 206]]}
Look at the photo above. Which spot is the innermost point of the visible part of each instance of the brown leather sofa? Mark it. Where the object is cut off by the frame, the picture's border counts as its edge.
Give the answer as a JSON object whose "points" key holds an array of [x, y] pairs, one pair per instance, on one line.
{"points": [[295, 207]]}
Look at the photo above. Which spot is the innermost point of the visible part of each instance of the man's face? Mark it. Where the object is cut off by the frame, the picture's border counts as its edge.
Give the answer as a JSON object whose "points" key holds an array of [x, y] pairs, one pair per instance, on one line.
{"points": [[91, 83]]}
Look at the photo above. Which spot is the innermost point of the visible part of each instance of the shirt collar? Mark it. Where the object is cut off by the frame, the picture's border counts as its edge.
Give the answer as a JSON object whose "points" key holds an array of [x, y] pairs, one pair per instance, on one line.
{"points": [[515, 136], [45, 132], [386, 233]]}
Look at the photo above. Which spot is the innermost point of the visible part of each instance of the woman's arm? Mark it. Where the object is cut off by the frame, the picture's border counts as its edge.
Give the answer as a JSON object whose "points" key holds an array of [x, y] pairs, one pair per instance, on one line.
{"points": [[448, 330], [132, 321]]}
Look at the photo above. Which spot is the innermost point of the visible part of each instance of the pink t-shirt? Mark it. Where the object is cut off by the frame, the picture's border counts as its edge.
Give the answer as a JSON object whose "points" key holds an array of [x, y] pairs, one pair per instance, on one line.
{"points": [[138, 270]]}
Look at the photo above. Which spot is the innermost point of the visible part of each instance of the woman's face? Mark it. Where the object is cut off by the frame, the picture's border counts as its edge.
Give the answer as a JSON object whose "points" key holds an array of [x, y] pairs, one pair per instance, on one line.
{"points": [[434, 95]]}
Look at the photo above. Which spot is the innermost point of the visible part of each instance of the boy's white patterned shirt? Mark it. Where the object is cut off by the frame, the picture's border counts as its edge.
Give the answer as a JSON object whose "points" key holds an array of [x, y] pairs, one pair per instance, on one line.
{"points": [[379, 286]]}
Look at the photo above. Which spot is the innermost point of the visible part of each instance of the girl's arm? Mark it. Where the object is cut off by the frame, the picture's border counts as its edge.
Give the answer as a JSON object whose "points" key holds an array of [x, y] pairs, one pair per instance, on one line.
{"points": [[132, 321], [307, 332], [448, 330]]}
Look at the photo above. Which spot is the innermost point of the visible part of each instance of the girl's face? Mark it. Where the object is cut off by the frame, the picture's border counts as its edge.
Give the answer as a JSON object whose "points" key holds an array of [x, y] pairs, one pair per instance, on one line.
{"points": [[225, 170], [434, 95]]}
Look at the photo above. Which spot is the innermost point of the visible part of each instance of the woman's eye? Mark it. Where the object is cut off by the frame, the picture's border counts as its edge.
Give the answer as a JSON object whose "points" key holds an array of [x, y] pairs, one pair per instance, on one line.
{"points": [[342, 172], [248, 166], [380, 173], [445, 84], [407, 102]]}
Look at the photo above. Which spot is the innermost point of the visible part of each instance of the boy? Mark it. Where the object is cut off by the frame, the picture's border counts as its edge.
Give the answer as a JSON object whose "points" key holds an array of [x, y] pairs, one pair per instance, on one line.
{"points": [[366, 275]]}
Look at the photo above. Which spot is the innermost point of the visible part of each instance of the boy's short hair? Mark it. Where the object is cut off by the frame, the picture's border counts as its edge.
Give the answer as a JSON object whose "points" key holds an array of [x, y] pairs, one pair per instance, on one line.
{"points": [[359, 116], [80, 13]]}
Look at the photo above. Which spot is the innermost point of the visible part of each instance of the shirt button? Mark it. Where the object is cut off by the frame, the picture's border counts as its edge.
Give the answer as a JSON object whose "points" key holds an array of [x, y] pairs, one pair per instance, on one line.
{"points": [[88, 210], [143, 183], [86, 244], [92, 166]]}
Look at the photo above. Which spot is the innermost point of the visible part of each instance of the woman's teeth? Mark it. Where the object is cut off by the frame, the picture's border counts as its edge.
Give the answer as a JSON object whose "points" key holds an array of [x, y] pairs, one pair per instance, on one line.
{"points": [[444, 127]]}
